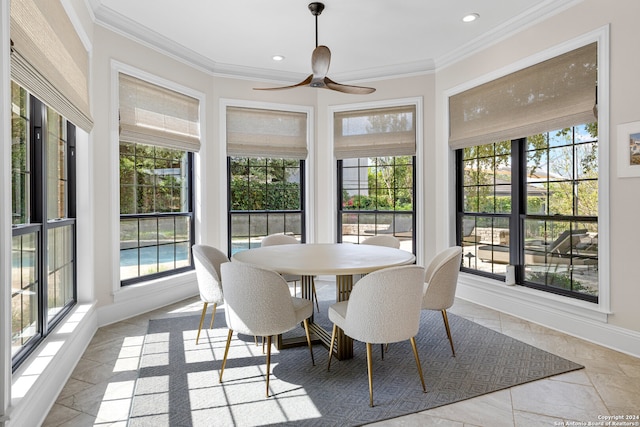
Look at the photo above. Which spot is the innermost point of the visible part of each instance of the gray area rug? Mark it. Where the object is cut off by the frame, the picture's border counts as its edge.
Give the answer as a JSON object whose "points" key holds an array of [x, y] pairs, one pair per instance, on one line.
{"points": [[178, 385]]}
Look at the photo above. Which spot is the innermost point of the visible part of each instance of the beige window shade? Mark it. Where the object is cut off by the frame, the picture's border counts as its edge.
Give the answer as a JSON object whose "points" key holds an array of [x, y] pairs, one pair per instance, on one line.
{"points": [[49, 60], [255, 132], [554, 94], [375, 133], [154, 115]]}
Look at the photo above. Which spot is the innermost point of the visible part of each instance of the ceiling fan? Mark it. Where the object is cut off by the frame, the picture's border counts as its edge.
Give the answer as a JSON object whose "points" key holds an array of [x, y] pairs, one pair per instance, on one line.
{"points": [[320, 60]]}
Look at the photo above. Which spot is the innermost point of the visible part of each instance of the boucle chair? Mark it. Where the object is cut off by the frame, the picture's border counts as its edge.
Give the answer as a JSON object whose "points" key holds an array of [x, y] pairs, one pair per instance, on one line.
{"points": [[283, 239], [207, 260], [258, 302], [441, 279], [382, 240], [383, 308]]}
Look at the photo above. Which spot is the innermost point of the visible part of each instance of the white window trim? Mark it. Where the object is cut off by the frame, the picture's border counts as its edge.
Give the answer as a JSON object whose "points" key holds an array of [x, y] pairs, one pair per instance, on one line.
{"points": [[485, 291], [127, 293], [309, 165], [418, 199]]}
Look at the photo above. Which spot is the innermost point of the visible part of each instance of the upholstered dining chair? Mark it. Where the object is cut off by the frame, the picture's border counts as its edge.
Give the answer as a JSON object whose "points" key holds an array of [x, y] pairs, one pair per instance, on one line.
{"points": [[382, 240], [383, 308], [283, 239], [441, 279], [258, 302], [207, 260]]}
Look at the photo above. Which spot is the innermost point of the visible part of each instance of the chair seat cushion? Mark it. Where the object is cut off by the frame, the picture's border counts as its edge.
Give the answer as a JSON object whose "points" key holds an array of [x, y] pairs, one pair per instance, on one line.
{"points": [[302, 307], [338, 312]]}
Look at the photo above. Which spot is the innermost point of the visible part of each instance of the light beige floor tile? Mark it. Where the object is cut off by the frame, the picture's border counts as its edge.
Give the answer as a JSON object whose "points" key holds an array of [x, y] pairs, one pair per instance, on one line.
{"points": [[559, 400], [60, 414], [527, 419], [101, 382], [492, 409], [620, 391]]}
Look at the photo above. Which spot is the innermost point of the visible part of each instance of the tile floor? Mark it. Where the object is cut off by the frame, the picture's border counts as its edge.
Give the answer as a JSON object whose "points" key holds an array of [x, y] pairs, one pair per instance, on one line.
{"points": [[99, 390]]}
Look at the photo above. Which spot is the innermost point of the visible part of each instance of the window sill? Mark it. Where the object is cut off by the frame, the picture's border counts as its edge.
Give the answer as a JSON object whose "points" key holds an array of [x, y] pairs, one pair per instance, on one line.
{"points": [[39, 380], [533, 299]]}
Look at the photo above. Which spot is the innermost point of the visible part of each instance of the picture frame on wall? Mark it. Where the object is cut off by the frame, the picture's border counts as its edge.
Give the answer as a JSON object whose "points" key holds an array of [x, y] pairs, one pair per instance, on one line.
{"points": [[629, 150]]}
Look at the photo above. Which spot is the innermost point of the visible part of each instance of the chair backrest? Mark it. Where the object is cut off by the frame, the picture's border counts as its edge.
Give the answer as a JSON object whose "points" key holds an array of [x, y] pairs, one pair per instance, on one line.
{"points": [[382, 240], [278, 239], [384, 307], [207, 261], [257, 301], [442, 279]]}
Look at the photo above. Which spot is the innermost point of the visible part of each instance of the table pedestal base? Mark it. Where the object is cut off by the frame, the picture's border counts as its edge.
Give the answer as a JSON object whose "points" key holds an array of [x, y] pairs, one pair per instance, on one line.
{"points": [[343, 348]]}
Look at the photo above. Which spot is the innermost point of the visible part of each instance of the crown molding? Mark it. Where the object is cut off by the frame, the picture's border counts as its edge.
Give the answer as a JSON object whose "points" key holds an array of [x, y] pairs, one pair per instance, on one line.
{"points": [[126, 27], [531, 17]]}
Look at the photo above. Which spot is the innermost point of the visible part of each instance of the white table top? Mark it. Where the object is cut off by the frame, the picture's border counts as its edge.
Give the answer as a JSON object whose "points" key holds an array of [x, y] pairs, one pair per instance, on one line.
{"points": [[325, 258]]}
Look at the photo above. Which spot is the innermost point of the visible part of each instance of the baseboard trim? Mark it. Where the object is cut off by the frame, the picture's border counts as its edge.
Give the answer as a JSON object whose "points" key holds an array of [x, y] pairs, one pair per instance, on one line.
{"points": [[133, 300], [589, 326]]}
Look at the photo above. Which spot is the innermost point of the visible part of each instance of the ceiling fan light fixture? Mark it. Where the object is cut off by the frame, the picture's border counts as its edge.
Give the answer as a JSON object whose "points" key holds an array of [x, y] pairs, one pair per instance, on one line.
{"points": [[470, 17], [320, 59]]}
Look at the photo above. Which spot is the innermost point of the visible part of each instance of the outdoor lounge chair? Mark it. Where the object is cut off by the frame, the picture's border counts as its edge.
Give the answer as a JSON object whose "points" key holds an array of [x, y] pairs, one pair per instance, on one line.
{"points": [[563, 250]]}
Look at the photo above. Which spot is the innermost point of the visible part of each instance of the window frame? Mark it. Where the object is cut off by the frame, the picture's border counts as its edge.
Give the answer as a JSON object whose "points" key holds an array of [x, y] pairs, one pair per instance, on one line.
{"points": [[40, 224], [301, 211], [159, 215], [376, 212], [517, 218]]}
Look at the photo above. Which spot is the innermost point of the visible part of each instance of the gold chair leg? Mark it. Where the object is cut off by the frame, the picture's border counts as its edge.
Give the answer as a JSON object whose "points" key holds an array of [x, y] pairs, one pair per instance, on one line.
{"points": [[446, 326], [213, 315], [415, 354], [369, 369], [268, 361], [204, 313], [226, 352], [333, 339], [305, 322]]}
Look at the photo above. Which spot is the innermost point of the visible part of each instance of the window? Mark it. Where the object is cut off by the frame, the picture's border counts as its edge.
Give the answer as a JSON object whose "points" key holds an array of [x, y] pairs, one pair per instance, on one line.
{"points": [[156, 215], [266, 174], [530, 198], [376, 197], [376, 174], [266, 197], [552, 203], [159, 131], [43, 276]]}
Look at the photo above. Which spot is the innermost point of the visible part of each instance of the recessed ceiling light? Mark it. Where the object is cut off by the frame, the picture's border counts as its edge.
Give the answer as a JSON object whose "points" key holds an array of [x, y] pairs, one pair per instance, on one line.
{"points": [[470, 17], [277, 57]]}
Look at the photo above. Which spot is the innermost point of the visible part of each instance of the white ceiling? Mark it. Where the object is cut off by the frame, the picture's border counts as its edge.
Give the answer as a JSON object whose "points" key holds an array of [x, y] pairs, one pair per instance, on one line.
{"points": [[369, 39]]}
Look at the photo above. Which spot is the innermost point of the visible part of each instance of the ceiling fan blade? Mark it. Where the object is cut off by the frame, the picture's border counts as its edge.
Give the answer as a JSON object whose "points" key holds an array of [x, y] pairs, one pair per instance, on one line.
{"points": [[356, 90], [320, 60], [305, 82]]}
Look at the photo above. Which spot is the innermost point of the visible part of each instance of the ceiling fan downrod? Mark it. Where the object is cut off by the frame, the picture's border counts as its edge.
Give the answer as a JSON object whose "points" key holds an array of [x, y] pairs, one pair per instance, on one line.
{"points": [[316, 9]]}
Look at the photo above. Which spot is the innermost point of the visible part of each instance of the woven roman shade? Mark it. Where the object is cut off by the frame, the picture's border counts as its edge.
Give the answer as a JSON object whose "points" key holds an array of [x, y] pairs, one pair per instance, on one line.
{"points": [[553, 94], [253, 132], [379, 132], [49, 60], [154, 115]]}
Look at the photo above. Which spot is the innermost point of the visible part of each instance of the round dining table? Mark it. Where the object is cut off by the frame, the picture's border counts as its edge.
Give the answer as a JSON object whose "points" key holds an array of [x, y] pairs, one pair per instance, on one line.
{"points": [[344, 260]]}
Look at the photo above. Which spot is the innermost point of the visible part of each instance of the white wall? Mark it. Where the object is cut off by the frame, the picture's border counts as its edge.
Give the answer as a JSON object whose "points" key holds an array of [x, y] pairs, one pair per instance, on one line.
{"points": [[623, 321]]}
